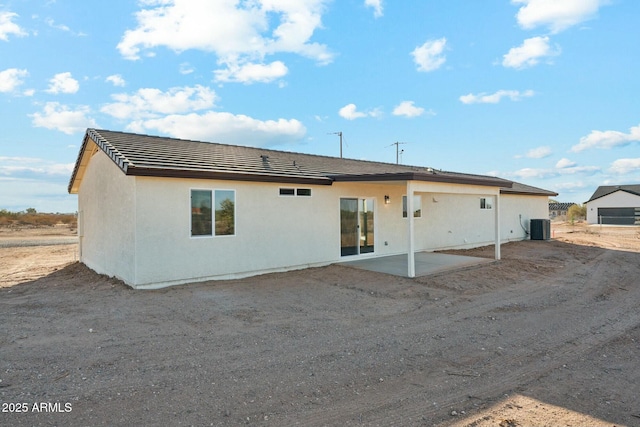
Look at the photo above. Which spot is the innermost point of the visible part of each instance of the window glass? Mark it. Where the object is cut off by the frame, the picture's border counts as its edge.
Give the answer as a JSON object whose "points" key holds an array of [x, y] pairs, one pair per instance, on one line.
{"points": [[485, 203], [225, 212], [417, 206], [287, 192], [303, 192], [201, 213]]}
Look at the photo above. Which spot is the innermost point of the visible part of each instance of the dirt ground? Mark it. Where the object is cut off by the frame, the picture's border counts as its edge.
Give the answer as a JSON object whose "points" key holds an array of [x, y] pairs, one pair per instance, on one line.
{"points": [[548, 336]]}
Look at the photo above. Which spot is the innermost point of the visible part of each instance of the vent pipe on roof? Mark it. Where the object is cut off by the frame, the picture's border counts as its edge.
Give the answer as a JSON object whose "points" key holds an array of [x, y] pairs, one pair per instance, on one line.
{"points": [[265, 158]]}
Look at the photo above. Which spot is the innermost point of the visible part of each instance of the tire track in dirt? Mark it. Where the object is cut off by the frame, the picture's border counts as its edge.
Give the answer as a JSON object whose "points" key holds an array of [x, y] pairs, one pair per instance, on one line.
{"points": [[552, 351]]}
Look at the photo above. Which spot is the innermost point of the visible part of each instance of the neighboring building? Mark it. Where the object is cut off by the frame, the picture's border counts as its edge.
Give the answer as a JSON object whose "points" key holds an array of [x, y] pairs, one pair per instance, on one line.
{"points": [[559, 210], [615, 205], [159, 211]]}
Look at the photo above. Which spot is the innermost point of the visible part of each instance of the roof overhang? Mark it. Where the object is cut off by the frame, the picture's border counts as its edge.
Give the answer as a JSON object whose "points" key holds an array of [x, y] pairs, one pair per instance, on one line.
{"points": [[228, 176], [428, 177]]}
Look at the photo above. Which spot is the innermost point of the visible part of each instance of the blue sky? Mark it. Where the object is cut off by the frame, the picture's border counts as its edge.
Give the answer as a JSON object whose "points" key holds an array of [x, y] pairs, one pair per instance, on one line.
{"points": [[543, 92]]}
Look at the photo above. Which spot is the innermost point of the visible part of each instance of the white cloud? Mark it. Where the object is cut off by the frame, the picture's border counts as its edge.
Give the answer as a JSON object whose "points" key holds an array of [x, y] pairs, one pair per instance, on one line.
{"points": [[561, 169], [582, 170], [539, 153], [376, 5], [565, 163], [429, 56], [11, 78], [625, 166], [225, 128], [569, 186], [239, 33], [350, 112], [63, 83], [44, 193], [11, 166], [8, 27], [50, 22], [150, 103], [555, 14], [116, 80], [607, 139], [530, 53], [530, 173], [251, 73], [60, 117], [408, 109], [186, 68], [483, 98]]}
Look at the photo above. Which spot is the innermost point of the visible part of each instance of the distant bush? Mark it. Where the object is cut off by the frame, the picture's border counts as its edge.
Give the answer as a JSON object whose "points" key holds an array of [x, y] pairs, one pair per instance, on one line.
{"points": [[30, 217], [576, 213]]}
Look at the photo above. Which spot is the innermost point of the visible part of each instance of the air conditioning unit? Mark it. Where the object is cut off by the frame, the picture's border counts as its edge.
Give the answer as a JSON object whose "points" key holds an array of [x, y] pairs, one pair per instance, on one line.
{"points": [[540, 229]]}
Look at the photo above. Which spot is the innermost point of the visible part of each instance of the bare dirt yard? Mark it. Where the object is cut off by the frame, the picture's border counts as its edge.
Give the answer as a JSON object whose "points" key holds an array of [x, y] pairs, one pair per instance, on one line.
{"points": [[548, 336]]}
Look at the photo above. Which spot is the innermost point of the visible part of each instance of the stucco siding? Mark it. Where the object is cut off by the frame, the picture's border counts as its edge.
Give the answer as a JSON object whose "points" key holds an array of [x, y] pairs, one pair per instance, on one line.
{"points": [[272, 232], [619, 199], [139, 229], [516, 213], [453, 220], [106, 210]]}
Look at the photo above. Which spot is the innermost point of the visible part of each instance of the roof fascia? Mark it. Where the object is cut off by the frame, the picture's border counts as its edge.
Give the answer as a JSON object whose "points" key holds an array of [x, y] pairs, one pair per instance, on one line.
{"points": [[418, 176], [226, 176]]}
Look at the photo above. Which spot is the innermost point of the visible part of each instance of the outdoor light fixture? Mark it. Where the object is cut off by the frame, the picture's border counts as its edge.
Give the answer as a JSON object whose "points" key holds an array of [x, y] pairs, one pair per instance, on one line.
{"points": [[387, 200]]}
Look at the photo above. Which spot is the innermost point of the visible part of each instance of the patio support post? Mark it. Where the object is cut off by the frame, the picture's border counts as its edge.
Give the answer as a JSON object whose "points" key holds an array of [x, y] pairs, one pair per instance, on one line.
{"points": [[497, 225], [411, 256]]}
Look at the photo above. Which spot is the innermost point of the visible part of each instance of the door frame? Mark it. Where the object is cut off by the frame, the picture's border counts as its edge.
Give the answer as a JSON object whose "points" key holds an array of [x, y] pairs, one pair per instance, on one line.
{"points": [[357, 232]]}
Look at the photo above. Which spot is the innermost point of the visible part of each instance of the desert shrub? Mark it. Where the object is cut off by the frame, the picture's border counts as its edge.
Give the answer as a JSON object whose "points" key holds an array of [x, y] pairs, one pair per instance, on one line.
{"points": [[576, 213], [32, 218]]}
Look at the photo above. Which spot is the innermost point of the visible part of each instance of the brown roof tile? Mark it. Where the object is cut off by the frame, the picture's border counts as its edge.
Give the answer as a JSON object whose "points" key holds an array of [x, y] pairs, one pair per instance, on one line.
{"points": [[145, 155]]}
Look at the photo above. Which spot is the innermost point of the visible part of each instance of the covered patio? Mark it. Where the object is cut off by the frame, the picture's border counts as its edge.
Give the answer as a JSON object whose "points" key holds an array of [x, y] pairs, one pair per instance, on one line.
{"points": [[426, 263]]}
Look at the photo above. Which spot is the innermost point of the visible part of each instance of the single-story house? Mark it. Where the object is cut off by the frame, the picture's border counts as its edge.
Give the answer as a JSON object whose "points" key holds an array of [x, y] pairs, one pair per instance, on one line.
{"points": [[558, 209], [157, 211], [614, 205]]}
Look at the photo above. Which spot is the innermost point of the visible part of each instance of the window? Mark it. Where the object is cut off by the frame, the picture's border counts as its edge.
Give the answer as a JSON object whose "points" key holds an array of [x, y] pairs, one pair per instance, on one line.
{"points": [[287, 191], [485, 203], [203, 215], [225, 212], [295, 192], [417, 206]]}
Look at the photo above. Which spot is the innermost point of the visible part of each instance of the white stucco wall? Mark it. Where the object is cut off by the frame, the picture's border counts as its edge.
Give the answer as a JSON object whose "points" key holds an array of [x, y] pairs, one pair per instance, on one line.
{"points": [[106, 201], [272, 232], [139, 228], [619, 199], [517, 212]]}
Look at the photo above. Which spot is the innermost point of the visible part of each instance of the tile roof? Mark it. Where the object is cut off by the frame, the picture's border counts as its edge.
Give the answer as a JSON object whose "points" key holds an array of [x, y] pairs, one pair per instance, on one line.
{"points": [[144, 155], [560, 206], [518, 188], [605, 190]]}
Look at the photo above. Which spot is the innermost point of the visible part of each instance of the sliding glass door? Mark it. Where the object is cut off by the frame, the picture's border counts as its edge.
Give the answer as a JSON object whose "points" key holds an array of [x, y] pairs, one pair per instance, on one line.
{"points": [[356, 226]]}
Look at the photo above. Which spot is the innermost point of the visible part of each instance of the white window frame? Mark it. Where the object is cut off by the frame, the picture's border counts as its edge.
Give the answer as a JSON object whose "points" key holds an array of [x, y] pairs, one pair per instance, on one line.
{"points": [[295, 192], [235, 215], [213, 214], [417, 206], [486, 203]]}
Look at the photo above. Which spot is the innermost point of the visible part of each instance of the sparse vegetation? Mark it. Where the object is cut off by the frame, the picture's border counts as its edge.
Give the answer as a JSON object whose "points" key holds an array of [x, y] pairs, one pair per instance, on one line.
{"points": [[30, 217], [577, 213]]}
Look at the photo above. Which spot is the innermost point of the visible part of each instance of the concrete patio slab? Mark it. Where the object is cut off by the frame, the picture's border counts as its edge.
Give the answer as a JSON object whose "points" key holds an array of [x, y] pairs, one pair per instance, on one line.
{"points": [[426, 263]]}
